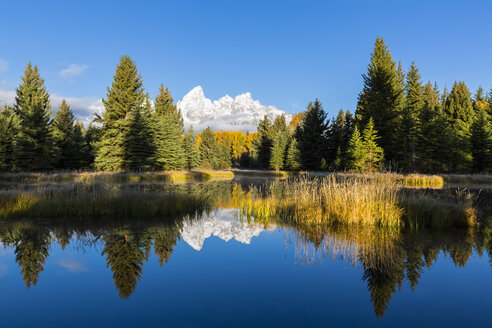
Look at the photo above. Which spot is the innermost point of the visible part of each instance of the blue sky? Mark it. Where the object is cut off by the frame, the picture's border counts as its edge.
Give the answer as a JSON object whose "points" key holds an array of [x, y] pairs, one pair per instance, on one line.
{"points": [[285, 53]]}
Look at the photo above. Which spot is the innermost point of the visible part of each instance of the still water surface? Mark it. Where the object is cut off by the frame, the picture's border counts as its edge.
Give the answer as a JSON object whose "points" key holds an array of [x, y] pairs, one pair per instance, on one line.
{"points": [[217, 270]]}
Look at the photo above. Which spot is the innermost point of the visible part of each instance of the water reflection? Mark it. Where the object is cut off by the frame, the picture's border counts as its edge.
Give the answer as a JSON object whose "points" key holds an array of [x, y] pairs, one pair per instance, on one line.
{"points": [[387, 259]]}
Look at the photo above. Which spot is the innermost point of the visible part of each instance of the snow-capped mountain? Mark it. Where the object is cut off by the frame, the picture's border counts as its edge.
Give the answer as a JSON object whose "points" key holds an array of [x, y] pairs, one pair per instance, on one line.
{"points": [[241, 113], [223, 224]]}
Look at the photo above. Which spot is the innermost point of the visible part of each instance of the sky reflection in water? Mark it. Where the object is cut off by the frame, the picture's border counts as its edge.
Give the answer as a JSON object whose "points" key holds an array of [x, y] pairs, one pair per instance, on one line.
{"points": [[219, 271]]}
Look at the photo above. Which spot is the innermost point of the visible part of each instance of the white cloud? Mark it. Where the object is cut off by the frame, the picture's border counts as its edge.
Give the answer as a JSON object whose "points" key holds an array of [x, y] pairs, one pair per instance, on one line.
{"points": [[73, 266], [4, 66], [83, 108], [73, 70]]}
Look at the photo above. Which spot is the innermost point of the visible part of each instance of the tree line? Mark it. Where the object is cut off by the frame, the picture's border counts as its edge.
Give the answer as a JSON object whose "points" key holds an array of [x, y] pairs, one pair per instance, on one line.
{"points": [[400, 124]]}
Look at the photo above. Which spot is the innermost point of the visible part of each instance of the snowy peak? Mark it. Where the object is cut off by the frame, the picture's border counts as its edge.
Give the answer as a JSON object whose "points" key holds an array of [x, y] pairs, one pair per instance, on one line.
{"points": [[240, 113]]}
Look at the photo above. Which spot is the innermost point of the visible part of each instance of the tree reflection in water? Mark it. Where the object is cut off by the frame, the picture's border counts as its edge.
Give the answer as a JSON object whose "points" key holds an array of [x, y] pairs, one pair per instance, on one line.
{"points": [[387, 258]]}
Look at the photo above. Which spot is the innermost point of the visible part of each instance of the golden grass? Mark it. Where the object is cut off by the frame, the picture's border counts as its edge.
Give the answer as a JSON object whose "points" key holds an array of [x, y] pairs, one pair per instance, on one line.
{"points": [[409, 180], [357, 201], [93, 201], [328, 200]]}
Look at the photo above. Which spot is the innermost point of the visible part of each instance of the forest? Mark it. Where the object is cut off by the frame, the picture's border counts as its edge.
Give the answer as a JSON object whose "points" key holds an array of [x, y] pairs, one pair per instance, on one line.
{"points": [[400, 124]]}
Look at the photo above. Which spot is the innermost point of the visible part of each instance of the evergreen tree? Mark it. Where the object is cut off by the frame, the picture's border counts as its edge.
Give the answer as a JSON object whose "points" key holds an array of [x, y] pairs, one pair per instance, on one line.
{"points": [[169, 128], [91, 140], [279, 148], [481, 143], [382, 96], [224, 154], [406, 136], [164, 105], [458, 108], [191, 153], [138, 144], [208, 149], [32, 147], [293, 158], [8, 130], [373, 153], [312, 136], [262, 143], [334, 139], [125, 94], [435, 136], [356, 152], [81, 154], [67, 138]]}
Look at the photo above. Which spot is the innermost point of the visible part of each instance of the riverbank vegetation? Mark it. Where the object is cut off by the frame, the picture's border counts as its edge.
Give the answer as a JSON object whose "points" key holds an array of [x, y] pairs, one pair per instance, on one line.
{"points": [[400, 125], [353, 201]]}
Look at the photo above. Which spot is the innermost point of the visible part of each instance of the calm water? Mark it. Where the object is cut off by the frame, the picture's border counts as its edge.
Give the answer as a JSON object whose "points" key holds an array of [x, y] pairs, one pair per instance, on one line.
{"points": [[216, 270]]}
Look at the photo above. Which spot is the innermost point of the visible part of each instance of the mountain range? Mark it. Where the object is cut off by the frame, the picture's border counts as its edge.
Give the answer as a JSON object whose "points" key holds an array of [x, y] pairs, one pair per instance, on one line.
{"points": [[240, 113]]}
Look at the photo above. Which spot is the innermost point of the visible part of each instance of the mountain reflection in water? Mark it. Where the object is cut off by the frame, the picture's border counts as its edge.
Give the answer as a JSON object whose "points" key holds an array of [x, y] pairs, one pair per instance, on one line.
{"points": [[385, 260]]}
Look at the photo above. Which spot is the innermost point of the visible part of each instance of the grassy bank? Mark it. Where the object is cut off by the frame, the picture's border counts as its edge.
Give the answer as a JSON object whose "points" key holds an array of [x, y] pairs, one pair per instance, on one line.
{"points": [[98, 201]]}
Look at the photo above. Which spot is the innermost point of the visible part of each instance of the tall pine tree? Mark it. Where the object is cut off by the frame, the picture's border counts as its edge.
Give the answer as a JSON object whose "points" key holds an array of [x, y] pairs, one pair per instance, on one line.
{"points": [[407, 129], [190, 151], [382, 97], [125, 94], [458, 108], [67, 138], [312, 136], [262, 144], [33, 145], [481, 143], [169, 128]]}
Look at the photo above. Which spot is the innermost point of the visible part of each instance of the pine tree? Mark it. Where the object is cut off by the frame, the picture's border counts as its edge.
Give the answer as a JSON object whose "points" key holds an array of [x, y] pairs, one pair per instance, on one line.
{"points": [[373, 153], [91, 140], [406, 136], [67, 139], [279, 149], [191, 153], [382, 97], [32, 148], [9, 125], [208, 149], [293, 158], [164, 105], [312, 136], [169, 128], [138, 144], [435, 136], [262, 144], [125, 94], [334, 138], [81, 147], [458, 108], [356, 152], [481, 143]]}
